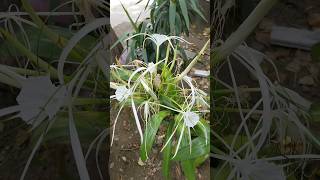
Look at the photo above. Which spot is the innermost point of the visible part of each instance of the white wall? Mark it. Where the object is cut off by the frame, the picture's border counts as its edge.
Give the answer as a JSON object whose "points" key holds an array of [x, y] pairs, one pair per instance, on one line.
{"points": [[118, 15]]}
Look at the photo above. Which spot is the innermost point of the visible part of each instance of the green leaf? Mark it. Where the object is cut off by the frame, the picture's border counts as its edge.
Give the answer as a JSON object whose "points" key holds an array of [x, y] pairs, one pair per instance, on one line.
{"points": [[184, 11], [199, 148], [86, 122], [196, 9], [166, 153], [120, 39], [150, 133], [179, 24], [188, 166], [315, 52], [189, 170], [172, 16], [315, 112], [42, 46], [130, 19], [203, 131], [216, 150], [157, 10], [123, 74], [200, 160], [133, 46], [221, 173], [167, 102]]}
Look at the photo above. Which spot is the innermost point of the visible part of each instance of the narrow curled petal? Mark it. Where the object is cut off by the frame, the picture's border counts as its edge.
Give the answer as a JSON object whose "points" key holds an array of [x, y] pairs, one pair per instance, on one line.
{"points": [[135, 113], [188, 80], [190, 118]]}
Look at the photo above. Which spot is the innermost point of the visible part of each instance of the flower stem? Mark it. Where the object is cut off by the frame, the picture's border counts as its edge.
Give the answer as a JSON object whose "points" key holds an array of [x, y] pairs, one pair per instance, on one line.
{"points": [[193, 62]]}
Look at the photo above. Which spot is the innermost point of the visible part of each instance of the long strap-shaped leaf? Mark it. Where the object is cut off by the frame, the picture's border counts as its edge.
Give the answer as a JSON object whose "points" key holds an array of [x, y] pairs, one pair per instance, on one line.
{"points": [[74, 137], [150, 133], [184, 11], [75, 39], [59, 40], [166, 153], [172, 16], [44, 65], [187, 165]]}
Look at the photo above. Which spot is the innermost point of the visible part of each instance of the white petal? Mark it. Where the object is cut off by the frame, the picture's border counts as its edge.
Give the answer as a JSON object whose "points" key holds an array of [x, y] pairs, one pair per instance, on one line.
{"points": [[190, 118], [135, 113], [153, 68], [159, 38], [40, 94], [122, 93]]}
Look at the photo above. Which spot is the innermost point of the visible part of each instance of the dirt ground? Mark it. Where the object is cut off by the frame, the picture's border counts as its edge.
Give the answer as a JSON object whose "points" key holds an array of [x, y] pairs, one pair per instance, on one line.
{"points": [[296, 68], [124, 154]]}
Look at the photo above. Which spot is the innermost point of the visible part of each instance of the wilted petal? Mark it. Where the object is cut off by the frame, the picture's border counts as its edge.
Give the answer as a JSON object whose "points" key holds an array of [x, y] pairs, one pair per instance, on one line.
{"points": [[122, 93], [190, 118]]}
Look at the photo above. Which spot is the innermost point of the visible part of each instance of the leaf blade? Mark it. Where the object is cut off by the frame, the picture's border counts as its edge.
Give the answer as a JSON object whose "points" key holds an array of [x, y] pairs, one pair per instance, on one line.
{"points": [[150, 133]]}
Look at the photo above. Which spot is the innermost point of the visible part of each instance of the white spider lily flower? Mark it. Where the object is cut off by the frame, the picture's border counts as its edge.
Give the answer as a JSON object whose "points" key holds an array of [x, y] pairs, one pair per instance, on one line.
{"points": [[159, 39], [122, 93], [191, 119], [37, 100], [153, 68]]}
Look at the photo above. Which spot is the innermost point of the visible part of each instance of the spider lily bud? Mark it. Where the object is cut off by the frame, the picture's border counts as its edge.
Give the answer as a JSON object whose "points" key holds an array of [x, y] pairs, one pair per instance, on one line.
{"points": [[157, 81]]}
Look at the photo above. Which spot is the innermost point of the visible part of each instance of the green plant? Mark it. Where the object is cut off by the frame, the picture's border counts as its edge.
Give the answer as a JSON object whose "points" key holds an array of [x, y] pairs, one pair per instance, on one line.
{"points": [[168, 17], [62, 76], [172, 17], [163, 96]]}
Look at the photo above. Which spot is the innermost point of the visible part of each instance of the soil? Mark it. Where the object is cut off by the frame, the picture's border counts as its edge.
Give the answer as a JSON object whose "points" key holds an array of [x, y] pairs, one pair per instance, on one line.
{"points": [[296, 68], [124, 153]]}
